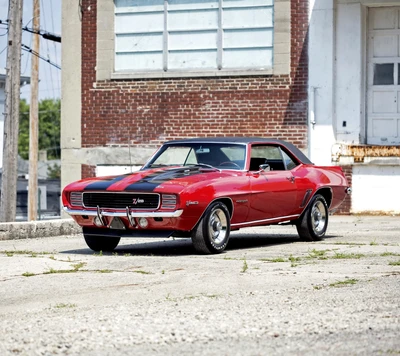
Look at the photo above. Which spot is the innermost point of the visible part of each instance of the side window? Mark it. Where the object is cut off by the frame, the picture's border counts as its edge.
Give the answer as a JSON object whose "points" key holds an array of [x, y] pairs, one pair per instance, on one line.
{"points": [[266, 154], [289, 162]]}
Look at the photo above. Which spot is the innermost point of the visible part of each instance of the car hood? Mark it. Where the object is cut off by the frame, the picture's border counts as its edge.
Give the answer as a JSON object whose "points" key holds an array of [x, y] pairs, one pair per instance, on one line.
{"points": [[169, 179]]}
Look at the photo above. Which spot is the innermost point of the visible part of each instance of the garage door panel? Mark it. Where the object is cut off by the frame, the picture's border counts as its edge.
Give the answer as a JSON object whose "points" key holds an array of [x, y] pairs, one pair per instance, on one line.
{"points": [[384, 127], [386, 46], [384, 19], [383, 102]]}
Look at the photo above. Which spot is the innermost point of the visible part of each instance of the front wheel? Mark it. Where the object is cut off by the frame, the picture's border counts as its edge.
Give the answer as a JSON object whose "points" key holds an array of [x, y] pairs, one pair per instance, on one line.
{"points": [[313, 223], [211, 235], [101, 243]]}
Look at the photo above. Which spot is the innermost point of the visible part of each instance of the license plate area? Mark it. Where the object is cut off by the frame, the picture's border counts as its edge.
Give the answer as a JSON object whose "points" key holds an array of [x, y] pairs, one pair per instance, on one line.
{"points": [[117, 224]]}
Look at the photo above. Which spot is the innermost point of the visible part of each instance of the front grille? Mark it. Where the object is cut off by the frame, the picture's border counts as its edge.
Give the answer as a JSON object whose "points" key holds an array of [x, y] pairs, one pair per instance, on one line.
{"points": [[121, 200]]}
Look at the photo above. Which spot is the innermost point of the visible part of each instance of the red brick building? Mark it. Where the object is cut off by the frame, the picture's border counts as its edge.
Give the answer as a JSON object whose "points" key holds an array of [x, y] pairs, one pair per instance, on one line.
{"points": [[137, 73]]}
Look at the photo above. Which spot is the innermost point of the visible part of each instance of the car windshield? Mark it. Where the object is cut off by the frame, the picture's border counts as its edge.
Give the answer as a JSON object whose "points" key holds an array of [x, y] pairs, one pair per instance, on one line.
{"points": [[218, 155]]}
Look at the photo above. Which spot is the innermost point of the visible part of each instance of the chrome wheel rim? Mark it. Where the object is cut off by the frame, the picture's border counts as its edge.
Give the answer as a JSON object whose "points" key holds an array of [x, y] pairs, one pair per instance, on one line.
{"points": [[318, 217], [217, 226]]}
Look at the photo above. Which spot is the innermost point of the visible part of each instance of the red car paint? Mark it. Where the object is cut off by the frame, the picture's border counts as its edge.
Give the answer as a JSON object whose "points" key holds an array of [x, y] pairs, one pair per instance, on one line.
{"points": [[253, 197]]}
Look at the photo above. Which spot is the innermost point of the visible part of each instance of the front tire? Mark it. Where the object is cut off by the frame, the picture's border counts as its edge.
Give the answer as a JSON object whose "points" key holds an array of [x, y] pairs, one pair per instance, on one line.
{"points": [[211, 235], [314, 222], [101, 243]]}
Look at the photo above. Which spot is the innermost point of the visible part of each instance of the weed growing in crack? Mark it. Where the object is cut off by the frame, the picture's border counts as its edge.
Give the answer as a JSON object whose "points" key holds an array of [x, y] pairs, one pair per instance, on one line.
{"points": [[28, 274], [343, 255], [346, 282], [245, 266]]}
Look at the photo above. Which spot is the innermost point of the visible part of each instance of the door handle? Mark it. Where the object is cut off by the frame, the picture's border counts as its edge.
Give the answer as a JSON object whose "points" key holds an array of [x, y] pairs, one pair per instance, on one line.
{"points": [[291, 179]]}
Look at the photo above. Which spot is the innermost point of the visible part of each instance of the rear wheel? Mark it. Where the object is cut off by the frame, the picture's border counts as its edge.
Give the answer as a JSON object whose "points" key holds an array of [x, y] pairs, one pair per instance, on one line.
{"points": [[102, 243], [314, 222], [211, 235]]}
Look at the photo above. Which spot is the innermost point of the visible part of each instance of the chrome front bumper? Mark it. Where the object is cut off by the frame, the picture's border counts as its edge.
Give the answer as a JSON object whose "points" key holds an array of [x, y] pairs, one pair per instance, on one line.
{"points": [[124, 214]]}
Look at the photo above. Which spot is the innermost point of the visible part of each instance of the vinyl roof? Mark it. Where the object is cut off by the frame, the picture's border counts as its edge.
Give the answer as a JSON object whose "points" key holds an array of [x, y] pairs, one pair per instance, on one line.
{"points": [[247, 140]]}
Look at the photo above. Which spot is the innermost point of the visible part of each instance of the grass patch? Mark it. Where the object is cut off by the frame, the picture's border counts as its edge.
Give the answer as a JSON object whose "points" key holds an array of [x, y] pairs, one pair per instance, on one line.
{"points": [[319, 254], [346, 282], [9, 253], [104, 271], [28, 274], [373, 243], [56, 271], [75, 268], [64, 305], [274, 260], [349, 243], [78, 266], [142, 272], [394, 263], [245, 266], [343, 255], [293, 261], [384, 254]]}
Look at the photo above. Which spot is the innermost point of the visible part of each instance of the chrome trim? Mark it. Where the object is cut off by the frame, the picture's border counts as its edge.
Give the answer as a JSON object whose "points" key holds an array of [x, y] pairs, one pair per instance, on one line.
{"points": [[100, 217], [123, 214], [130, 218], [348, 190], [289, 217]]}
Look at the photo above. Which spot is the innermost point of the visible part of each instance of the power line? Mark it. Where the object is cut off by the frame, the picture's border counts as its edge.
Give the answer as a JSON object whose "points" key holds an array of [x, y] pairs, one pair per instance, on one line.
{"points": [[46, 35], [28, 49]]}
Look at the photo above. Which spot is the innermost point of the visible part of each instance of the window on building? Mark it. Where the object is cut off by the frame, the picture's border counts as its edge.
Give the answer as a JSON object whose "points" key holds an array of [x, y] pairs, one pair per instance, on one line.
{"points": [[383, 74], [198, 35]]}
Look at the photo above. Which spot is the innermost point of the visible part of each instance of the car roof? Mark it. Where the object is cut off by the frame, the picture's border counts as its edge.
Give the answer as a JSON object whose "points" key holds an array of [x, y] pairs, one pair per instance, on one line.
{"points": [[246, 140]]}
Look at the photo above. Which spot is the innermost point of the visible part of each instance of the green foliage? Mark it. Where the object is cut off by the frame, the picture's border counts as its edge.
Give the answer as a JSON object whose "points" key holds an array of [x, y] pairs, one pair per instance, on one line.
{"points": [[49, 128], [54, 171]]}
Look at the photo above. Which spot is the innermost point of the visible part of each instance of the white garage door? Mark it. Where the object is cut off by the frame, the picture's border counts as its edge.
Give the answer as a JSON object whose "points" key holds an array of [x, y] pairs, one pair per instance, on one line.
{"points": [[384, 76]]}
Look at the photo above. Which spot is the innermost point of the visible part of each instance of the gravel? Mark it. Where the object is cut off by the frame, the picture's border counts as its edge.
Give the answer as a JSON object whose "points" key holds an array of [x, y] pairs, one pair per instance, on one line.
{"points": [[339, 296]]}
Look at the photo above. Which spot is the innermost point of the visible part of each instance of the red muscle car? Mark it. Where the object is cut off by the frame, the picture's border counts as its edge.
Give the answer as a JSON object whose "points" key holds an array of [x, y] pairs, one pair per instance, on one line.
{"points": [[204, 188]]}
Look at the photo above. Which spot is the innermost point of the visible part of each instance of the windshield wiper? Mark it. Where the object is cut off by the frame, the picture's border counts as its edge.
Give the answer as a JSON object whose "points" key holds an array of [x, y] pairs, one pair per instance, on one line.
{"points": [[204, 165]]}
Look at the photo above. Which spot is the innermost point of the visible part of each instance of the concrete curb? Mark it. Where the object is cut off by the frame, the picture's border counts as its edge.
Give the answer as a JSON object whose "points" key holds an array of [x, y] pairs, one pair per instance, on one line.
{"points": [[38, 229]]}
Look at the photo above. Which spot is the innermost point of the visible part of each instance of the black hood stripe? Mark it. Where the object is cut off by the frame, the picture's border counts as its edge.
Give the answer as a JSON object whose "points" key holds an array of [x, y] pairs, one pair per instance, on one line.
{"points": [[105, 183], [153, 180]]}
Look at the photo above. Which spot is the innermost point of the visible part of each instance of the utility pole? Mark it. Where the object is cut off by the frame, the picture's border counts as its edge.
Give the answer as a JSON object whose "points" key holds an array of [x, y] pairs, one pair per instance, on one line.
{"points": [[11, 118], [33, 117]]}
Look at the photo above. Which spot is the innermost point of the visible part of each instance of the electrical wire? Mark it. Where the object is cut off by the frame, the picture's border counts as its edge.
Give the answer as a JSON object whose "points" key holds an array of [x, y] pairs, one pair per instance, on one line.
{"points": [[49, 69], [28, 49], [54, 44]]}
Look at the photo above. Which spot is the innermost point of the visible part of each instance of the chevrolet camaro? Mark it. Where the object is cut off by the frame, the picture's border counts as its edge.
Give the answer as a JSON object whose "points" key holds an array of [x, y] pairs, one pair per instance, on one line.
{"points": [[203, 189]]}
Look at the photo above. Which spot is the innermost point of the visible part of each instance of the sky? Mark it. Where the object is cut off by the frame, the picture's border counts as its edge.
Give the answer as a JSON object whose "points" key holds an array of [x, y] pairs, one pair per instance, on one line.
{"points": [[50, 21]]}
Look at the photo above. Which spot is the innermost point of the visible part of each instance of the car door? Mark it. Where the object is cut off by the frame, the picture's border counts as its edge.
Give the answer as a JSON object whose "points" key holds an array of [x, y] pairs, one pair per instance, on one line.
{"points": [[273, 191]]}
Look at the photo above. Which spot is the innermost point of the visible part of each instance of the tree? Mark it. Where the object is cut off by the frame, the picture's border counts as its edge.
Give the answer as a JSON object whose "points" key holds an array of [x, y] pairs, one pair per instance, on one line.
{"points": [[49, 128]]}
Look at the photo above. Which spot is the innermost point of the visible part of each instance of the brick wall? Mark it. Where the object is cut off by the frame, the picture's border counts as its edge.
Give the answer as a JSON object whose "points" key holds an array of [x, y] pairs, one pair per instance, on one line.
{"points": [[88, 171], [150, 111], [346, 205]]}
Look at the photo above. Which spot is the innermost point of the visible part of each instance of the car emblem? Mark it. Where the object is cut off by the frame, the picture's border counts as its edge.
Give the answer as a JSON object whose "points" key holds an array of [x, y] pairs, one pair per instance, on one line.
{"points": [[137, 201]]}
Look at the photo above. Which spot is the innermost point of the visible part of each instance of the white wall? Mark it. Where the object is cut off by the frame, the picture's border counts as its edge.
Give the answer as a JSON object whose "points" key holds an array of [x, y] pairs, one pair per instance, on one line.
{"points": [[375, 189], [321, 80], [350, 68], [2, 100]]}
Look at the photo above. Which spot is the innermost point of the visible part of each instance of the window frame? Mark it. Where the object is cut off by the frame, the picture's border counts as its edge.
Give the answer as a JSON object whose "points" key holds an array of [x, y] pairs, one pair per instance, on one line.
{"points": [[105, 63]]}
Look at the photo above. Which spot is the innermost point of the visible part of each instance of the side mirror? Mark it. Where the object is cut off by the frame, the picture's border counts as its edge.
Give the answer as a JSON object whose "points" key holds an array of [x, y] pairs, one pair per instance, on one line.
{"points": [[265, 167]]}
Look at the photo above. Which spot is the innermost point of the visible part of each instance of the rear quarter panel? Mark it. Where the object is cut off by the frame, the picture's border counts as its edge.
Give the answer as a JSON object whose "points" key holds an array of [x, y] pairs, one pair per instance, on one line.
{"points": [[328, 177]]}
